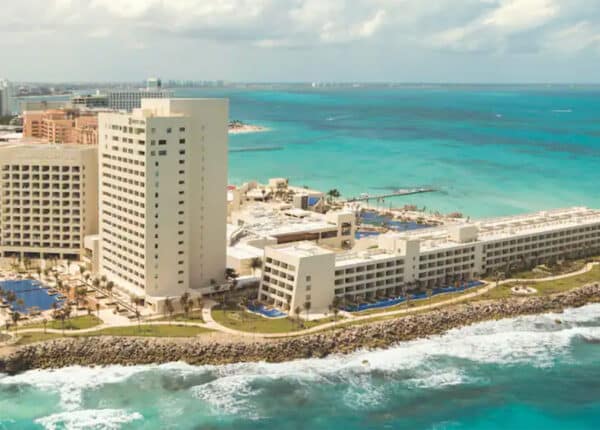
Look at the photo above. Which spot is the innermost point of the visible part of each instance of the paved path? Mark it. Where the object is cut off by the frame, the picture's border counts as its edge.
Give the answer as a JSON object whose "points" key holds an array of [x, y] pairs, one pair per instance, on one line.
{"points": [[111, 320]]}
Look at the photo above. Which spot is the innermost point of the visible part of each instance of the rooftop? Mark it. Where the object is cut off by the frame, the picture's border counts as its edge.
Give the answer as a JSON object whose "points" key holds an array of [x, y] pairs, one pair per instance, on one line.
{"points": [[302, 249], [266, 221]]}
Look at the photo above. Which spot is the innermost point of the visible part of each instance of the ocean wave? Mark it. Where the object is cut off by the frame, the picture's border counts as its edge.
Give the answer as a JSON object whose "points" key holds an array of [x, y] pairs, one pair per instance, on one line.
{"points": [[431, 363], [105, 419]]}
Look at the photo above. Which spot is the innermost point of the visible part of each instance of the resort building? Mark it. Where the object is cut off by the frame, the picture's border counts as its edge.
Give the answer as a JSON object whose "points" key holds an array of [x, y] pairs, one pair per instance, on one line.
{"points": [[90, 101], [61, 126], [48, 199], [278, 224], [163, 180], [129, 99], [426, 258]]}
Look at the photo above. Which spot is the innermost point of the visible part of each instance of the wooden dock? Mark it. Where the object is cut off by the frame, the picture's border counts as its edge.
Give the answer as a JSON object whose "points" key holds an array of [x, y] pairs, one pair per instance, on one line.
{"points": [[397, 193]]}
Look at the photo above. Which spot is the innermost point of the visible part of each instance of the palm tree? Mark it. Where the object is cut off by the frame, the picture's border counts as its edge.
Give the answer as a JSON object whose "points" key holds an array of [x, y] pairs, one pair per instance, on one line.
{"points": [[169, 309], [306, 308], [255, 263], [184, 301], [137, 316], [20, 302], [335, 307], [45, 323], [297, 312], [98, 309], [429, 293], [109, 287], [15, 316], [405, 294], [200, 303]]}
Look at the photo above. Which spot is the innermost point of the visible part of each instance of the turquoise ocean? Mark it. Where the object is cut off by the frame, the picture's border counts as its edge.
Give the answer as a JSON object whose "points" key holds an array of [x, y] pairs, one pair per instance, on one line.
{"points": [[490, 151], [523, 373]]}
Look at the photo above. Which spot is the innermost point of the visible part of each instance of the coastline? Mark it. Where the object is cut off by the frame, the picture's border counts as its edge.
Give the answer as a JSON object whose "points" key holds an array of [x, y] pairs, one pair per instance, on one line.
{"points": [[99, 351]]}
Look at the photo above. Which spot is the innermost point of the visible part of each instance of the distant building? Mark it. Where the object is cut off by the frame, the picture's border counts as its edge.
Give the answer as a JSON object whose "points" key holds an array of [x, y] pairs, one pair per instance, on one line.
{"points": [[5, 97], [30, 105], [130, 99], [61, 126], [49, 199], [90, 101], [153, 84], [163, 177]]}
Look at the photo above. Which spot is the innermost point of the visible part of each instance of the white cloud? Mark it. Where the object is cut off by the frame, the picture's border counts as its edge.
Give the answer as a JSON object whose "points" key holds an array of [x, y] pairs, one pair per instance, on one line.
{"points": [[574, 38], [490, 30], [515, 15]]}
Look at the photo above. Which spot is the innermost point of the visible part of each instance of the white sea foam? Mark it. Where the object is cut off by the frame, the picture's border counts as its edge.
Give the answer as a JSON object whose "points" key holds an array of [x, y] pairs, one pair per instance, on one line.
{"points": [[424, 363], [70, 382], [96, 419]]}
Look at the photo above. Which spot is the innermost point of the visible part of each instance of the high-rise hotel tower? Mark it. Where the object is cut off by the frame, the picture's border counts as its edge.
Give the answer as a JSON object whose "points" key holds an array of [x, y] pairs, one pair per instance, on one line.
{"points": [[162, 200]]}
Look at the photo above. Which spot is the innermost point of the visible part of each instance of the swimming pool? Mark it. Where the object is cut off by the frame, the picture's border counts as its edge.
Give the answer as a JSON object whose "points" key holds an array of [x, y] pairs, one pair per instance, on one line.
{"points": [[32, 293], [417, 296], [269, 313]]}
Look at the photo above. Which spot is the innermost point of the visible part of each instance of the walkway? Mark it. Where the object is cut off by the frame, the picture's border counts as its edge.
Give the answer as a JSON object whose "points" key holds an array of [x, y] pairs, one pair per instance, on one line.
{"points": [[111, 320]]}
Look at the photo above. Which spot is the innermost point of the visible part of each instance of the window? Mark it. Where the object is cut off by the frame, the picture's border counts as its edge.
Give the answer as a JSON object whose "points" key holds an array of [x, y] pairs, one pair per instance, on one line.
{"points": [[181, 128], [182, 141], [169, 130], [307, 278], [162, 142]]}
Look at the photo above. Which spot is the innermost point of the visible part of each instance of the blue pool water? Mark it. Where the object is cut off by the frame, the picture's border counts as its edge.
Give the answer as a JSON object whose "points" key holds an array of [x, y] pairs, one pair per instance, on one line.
{"points": [[417, 296], [269, 313], [31, 292]]}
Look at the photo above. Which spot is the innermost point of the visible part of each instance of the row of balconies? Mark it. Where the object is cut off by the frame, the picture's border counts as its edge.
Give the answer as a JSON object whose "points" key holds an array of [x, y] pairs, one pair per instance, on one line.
{"points": [[35, 219], [452, 253], [34, 244], [38, 168], [280, 264]]}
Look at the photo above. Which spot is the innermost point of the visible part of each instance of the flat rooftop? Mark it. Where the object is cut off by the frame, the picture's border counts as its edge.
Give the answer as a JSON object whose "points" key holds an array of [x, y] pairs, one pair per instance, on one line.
{"points": [[302, 249], [36, 145], [269, 222], [507, 227]]}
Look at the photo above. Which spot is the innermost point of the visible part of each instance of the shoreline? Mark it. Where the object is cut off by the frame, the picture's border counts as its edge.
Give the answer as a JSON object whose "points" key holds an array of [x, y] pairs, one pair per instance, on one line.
{"points": [[100, 351]]}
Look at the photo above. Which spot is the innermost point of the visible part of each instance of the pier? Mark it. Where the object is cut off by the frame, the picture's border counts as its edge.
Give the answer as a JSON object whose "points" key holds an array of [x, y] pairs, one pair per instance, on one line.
{"points": [[397, 193]]}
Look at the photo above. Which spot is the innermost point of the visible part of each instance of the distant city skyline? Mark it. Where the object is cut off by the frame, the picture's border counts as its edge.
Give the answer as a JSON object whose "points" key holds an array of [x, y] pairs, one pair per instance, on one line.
{"points": [[446, 41]]}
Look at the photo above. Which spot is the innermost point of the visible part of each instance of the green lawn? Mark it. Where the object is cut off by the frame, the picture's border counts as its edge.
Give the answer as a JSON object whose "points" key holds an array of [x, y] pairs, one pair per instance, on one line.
{"points": [[75, 323], [245, 321], [151, 330], [546, 287], [144, 330], [26, 338], [416, 303]]}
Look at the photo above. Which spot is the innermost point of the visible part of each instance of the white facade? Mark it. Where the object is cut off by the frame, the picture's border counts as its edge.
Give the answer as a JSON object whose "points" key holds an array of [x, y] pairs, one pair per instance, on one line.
{"points": [[434, 257], [163, 171], [132, 99], [49, 199], [5, 97]]}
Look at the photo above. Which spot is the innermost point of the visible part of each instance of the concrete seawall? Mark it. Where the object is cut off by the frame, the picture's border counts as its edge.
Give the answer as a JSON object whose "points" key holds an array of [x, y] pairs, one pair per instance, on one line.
{"points": [[131, 351]]}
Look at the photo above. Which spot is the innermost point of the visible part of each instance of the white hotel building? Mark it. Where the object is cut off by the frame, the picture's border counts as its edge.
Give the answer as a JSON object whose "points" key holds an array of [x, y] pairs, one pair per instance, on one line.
{"points": [[163, 180], [48, 199], [294, 274]]}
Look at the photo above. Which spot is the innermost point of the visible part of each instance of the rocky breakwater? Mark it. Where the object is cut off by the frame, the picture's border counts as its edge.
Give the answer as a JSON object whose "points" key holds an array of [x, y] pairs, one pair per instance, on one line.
{"points": [[130, 351]]}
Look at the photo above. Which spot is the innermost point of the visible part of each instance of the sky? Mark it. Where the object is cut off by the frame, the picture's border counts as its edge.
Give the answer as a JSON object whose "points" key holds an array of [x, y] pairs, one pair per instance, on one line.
{"points": [[479, 41]]}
